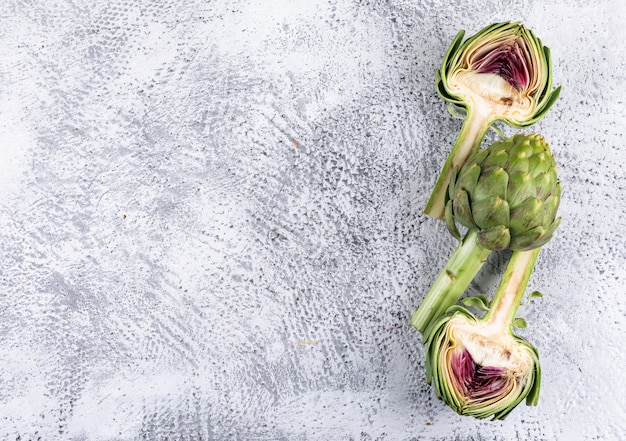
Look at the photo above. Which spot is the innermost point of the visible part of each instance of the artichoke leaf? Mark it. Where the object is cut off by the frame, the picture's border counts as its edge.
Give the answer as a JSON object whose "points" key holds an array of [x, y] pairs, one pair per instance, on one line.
{"points": [[527, 215], [480, 302], [519, 323], [496, 238], [462, 209], [521, 187], [449, 217], [467, 177], [492, 183], [529, 240], [491, 212]]}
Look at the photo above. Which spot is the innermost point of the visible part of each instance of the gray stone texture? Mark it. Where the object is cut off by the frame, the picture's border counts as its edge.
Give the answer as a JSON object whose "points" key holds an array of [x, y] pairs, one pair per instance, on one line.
{"points": [[211, 220]]}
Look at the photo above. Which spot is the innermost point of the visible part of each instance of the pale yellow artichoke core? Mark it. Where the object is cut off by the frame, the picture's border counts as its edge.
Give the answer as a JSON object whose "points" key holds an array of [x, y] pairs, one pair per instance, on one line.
{"points": [[489, 346], [492, 95]]}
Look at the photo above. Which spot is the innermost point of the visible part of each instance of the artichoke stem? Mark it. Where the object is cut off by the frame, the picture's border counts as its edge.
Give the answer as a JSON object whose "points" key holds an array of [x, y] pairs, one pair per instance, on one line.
{"points": [[451, 283], [472, 132], [511, 291]]}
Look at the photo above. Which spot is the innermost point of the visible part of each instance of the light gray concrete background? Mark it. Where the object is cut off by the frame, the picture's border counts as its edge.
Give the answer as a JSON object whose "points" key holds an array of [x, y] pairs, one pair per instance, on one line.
{"points": [[211, 220]]}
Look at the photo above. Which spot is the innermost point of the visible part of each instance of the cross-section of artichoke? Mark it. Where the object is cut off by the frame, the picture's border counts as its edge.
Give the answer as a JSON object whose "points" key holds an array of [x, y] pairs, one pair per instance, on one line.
{"points": [[501, 73], [479, 367]]}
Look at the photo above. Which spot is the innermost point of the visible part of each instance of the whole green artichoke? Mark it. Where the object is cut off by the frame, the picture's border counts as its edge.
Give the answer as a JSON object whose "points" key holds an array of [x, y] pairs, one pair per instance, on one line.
{"points": [[508, 193]]}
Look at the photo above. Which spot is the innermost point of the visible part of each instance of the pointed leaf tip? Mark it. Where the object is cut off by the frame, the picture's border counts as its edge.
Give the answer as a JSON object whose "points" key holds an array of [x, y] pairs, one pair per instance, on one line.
{"points": [[480, 301], [519, 323]]}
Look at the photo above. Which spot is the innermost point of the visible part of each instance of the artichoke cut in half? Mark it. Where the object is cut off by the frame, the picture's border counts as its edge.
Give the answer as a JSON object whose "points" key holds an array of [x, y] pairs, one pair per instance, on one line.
{"points": [[501, 73], [479, 367], [477, 370]]}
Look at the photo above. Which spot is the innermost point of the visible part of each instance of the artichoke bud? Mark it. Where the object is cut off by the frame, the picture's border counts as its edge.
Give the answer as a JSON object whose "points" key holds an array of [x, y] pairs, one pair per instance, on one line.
{"points": [[477, 370], [509, 192], [503, 72]]}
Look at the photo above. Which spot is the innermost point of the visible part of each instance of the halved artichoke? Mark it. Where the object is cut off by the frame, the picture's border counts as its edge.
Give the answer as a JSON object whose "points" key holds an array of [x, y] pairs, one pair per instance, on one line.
{"points": [[476, 369], [501, 73]]}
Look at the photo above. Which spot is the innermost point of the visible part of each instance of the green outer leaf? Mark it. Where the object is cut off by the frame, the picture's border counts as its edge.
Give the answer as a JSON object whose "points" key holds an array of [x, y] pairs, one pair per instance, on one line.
{"points": [[442, 73], [544, 108], [498, 131], [491, 212], [528, 240], [535, 294], [546, 183], [540, 163], [495, 238], [534, 238], [450, 221], [532, 399], [453, 177], [550, 207], [468, 176], [463, 209], [491, 184], [456, 111], [519, 322], [526, 216], [518, 157], [521, 187], [480, 301], [497, 158]]}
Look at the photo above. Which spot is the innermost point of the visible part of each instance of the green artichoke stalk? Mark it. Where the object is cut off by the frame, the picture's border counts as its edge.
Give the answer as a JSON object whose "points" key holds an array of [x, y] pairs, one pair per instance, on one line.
{"points": [[507, 195], [501, 73], [479, 367]]}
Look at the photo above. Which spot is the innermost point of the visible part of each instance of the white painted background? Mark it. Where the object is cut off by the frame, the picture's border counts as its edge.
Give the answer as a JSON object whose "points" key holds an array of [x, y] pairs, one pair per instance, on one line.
{"points": [[211, 220]]}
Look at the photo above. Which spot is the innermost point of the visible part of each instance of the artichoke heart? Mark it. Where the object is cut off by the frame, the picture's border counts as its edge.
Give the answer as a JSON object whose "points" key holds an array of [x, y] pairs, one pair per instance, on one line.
{"points": [[503, 72], [477, 370], [491, 94]]}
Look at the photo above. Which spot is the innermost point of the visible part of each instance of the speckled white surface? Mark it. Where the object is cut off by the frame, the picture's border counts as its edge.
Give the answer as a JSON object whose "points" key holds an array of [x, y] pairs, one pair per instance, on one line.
{"points": [[212, 229]]}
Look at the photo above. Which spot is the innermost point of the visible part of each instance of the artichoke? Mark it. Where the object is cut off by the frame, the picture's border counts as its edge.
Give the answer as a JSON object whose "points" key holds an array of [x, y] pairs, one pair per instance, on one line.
{"points": [[501, 73], [478, 366], [507, 195]]}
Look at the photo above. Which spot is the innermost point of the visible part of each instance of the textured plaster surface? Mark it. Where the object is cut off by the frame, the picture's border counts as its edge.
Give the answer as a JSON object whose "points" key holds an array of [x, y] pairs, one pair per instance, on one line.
{"points": [[211, 220]]}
